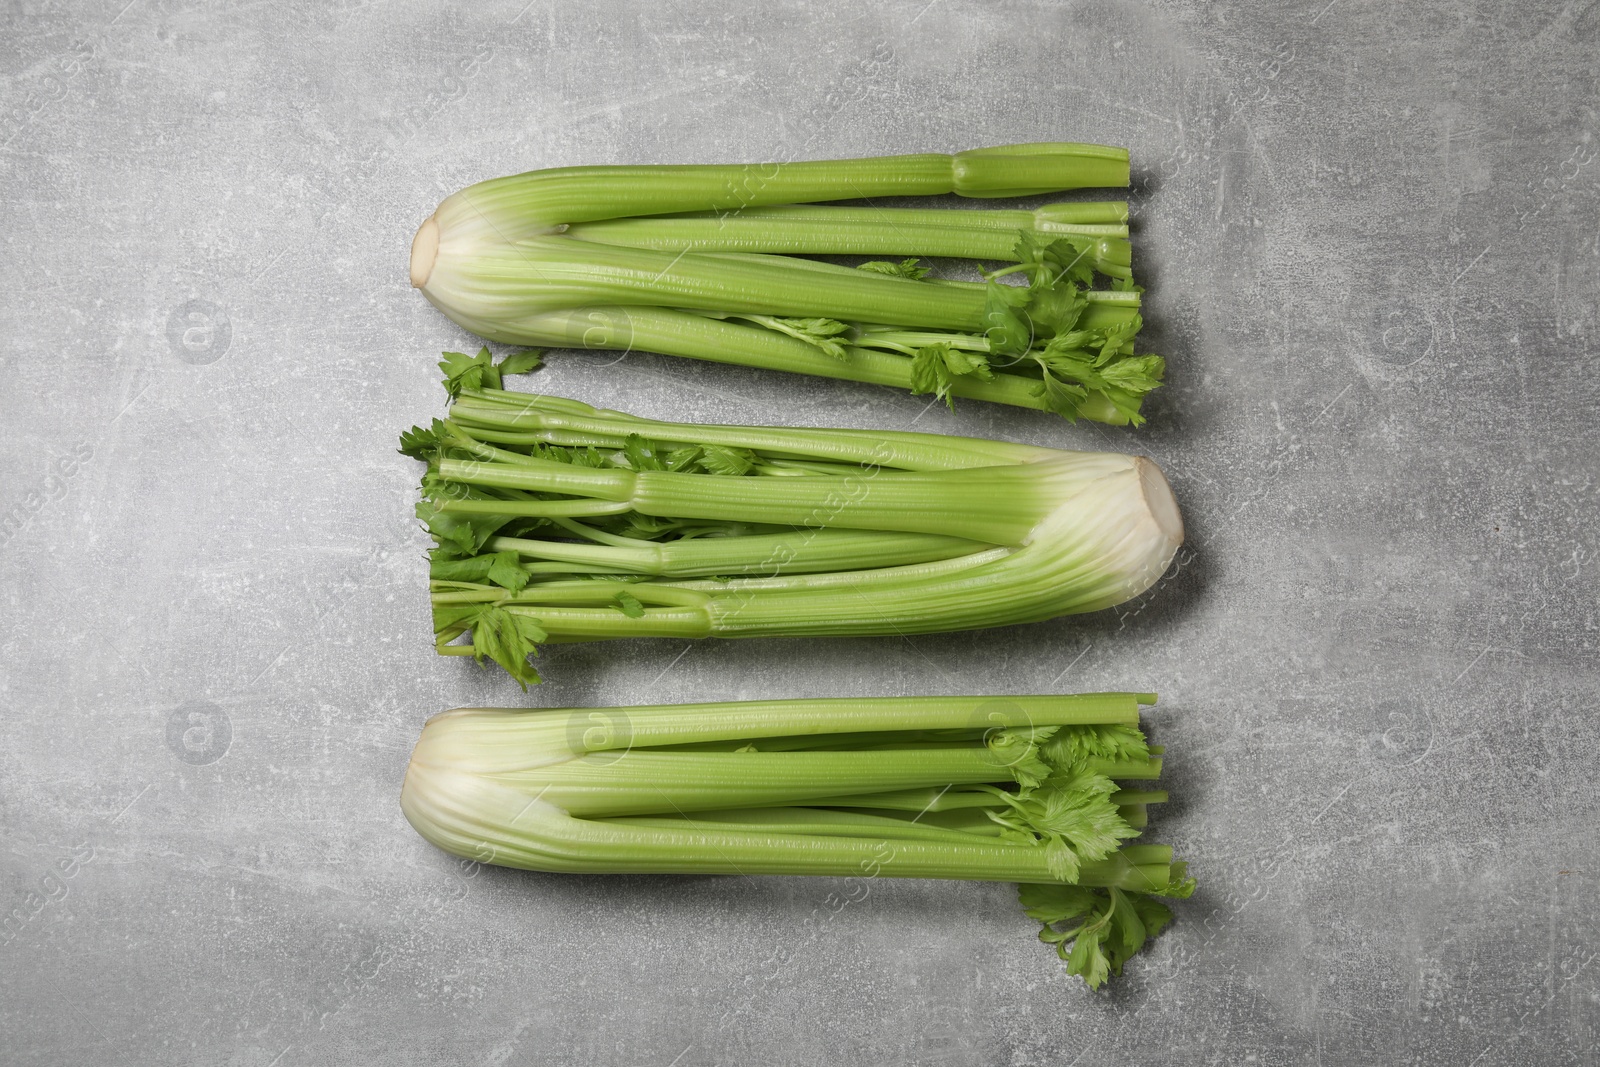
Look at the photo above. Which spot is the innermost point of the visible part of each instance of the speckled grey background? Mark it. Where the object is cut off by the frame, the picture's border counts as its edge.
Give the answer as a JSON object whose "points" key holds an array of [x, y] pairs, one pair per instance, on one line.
{"points": [[1372, 233]]}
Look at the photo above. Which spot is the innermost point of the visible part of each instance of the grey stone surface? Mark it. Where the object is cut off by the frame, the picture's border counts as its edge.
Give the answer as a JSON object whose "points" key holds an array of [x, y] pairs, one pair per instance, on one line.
{"points": [[1371, 233]]}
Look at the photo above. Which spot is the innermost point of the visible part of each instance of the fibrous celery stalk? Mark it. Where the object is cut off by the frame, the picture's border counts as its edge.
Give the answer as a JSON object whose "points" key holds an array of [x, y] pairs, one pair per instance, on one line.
{"points": [[702, 261], [557, 522], [1026, 789]]}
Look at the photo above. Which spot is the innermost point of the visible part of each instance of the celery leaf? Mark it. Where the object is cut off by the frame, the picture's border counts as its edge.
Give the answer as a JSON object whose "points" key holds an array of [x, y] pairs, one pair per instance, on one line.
{"points": [[502, 568], [1076, 810], [935, 368], [958, 361], [643, 455], [1056, 258], [1009, 331], [1049, 903], [712, 459], [1071, 815], [928, 373], [1112, 925], [462, 371], [1056, 304], [1063, 399], [1118, 340], [458, 534], [1088, 959], [823, 333], [508, 640], [523, 362], [422, 442], [906, 268], [1018, 749], [504, 637], [720, 459], [1074, 745]]}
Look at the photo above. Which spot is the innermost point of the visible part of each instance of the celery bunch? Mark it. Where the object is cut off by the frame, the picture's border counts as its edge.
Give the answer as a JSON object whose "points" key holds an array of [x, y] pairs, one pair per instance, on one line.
{"points": [[1047, 791], [557, 522], [702, 261]]}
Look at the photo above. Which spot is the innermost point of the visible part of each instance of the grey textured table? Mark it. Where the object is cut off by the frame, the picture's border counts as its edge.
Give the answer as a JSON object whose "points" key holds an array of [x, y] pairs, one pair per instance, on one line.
{"points": [[1371, 233]]}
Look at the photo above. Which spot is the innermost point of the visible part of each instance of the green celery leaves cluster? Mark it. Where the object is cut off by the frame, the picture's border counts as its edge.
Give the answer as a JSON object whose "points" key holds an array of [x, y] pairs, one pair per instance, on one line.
{"points": [[1095, 931], [1044, 322], [1040, 329]]}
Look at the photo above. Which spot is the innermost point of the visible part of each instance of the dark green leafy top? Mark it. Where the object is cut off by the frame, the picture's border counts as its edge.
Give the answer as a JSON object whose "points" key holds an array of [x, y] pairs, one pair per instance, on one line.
{"points": [[462, 371], [1070, 810], [1096, 930]]}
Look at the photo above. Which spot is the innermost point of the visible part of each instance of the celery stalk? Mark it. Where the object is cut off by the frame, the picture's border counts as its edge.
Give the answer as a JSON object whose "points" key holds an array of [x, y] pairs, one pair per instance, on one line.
{"points": [[577, 524], [627, 790], [660, 258]]}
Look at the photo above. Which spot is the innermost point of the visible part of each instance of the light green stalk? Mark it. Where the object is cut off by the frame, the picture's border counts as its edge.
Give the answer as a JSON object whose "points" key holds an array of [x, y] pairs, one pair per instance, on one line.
{"points": [[1008, 790], [543, 418], [614, 790], [540, 201], [672, 332], [489, 257], [795, 552], [808, 229], [582, 257], [860, 534]]}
